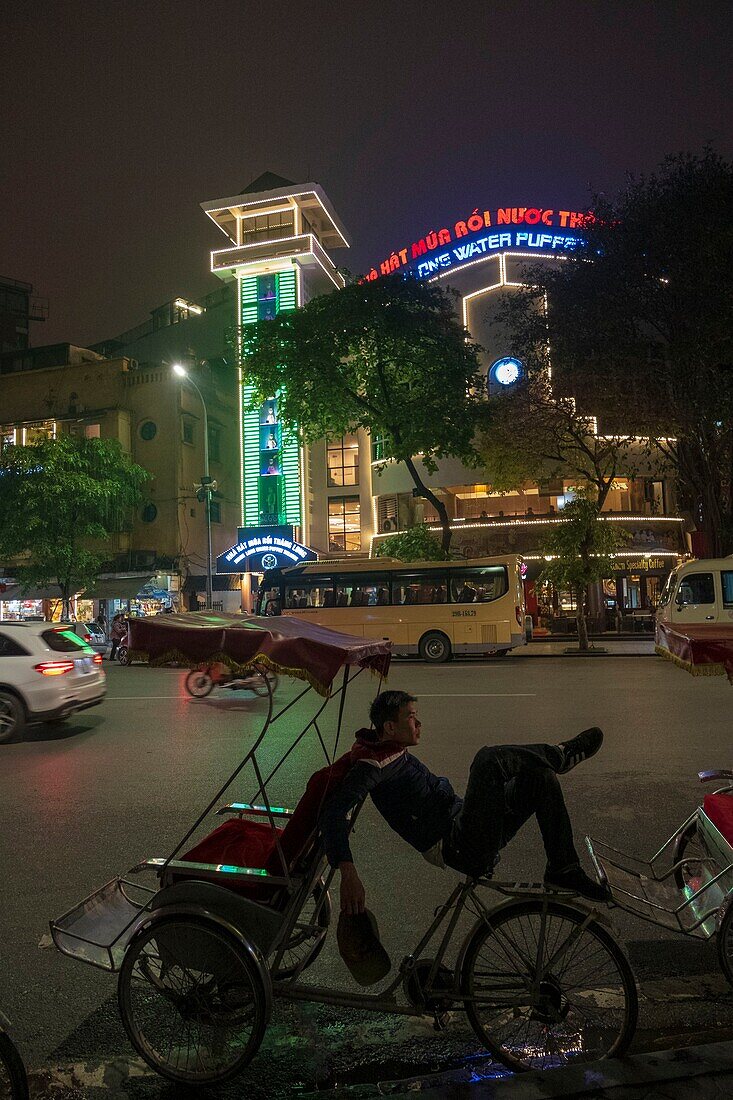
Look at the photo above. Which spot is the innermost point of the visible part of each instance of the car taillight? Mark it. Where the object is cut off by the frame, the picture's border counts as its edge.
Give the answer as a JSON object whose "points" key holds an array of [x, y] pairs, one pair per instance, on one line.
{"points": [[87, 637], [97, 658], [54, 668]]}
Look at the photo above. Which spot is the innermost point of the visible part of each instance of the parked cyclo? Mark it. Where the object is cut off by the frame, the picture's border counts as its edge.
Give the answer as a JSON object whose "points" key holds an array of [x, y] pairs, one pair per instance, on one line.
{"points": [[238, 916]]}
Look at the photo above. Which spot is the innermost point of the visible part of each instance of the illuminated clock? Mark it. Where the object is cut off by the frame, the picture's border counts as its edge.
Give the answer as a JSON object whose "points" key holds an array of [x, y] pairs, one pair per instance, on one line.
{"points": [[506, 371]]}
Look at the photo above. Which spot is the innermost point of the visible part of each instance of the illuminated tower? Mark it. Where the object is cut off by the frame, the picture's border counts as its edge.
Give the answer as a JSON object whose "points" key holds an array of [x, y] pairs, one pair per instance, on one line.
{"points": [[278, 233]]}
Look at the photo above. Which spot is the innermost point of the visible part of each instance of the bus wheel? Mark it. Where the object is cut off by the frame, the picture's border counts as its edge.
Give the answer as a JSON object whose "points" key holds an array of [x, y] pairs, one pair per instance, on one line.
{"points": [[434, 648]]}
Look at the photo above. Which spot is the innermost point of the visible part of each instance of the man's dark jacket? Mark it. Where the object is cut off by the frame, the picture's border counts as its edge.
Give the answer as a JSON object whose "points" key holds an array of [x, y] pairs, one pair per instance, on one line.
{"points": [[418, 805]]}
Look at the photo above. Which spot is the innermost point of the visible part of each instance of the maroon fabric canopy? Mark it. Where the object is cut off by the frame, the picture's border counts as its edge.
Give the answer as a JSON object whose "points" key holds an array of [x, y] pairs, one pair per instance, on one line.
{"points": [[705, 650], [292, 645]]}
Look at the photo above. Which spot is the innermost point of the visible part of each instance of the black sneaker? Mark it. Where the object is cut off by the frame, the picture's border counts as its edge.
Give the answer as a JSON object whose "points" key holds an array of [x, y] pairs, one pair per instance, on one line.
{"points": [[574, 752], [576, 880]]}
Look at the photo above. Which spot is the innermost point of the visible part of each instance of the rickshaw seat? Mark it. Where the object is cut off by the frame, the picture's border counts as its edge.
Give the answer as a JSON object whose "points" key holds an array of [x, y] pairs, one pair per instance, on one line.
{"points": [[719, 808], [243, 842]]}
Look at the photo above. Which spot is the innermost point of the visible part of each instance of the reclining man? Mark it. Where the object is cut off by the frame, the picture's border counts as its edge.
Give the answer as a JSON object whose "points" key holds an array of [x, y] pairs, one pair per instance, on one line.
{"points": [[506, 785]]}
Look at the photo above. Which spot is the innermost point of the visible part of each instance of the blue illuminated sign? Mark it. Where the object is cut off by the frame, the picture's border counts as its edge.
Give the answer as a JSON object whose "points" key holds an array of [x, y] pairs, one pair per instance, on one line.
{"points": [[519, 240], [261, 548], [506, 371]]}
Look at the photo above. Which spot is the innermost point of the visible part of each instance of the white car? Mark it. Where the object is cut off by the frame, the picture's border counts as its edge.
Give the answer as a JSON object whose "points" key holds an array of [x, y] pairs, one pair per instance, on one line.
{"points": [[92, 635], [47, 673]]}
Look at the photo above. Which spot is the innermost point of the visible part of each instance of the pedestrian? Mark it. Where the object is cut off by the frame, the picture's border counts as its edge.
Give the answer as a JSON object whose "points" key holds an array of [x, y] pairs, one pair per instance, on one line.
{"points": [[101, 622], [506, 786], [118, 632]]}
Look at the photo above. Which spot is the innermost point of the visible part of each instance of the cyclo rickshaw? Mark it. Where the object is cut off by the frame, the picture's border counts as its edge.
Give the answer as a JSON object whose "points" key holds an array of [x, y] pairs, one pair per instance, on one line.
{"points": [[239, 917]]}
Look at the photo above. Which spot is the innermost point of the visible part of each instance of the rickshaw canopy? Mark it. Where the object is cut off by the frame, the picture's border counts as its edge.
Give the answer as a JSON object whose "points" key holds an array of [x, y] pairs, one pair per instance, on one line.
{"points": [[289, 645], [702, 650]]}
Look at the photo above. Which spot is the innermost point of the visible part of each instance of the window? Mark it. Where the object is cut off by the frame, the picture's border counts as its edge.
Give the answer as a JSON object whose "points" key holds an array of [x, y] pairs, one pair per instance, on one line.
{"points": [[92, 431], [419, 588], [148, 430], [362, 590], [479, 585], [7, 438], [187, 430], [726, 578], [63, 641], [149, 513], [696, 588], [214, 444], [311, 592], [342, 457], [215, 511], [10, 648], [344, 524], [35, 433], [268, 227]]}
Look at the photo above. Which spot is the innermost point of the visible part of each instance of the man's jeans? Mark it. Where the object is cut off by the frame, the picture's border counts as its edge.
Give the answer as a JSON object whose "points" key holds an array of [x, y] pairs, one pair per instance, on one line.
{"points": [[506, 785]]}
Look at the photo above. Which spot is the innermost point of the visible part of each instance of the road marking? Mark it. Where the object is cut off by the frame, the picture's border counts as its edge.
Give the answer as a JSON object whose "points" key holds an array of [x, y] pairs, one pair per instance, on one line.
{"points": [[478, 694], [138, 698]]}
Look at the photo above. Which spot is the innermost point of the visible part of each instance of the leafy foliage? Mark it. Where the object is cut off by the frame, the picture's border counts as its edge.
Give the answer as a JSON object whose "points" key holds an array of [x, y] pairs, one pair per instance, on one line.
{"points": [[58, 497], [581, 552], [642, 336], [414, 544], [389, 356]]}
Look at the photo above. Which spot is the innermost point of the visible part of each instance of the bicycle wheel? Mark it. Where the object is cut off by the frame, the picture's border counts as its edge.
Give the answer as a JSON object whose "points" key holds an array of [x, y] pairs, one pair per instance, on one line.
{"points": [[260, 681], [13, 1081], [584, 1006], [725, 944], [194, 1002], [688, 847], [199, 684], [307, 937]]}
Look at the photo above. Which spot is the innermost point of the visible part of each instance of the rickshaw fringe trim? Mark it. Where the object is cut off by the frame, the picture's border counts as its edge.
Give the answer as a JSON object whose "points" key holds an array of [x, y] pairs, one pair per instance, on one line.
{"points": [[174, 656], [695, 670]]}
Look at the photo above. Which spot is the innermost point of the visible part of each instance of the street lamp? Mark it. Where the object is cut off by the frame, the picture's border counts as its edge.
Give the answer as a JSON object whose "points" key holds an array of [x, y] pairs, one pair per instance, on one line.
{"points": [[181, 372]]}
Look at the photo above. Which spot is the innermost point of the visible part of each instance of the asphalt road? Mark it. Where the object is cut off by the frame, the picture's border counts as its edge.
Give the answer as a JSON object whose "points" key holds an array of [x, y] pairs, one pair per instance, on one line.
{"points": [[81, 803]]}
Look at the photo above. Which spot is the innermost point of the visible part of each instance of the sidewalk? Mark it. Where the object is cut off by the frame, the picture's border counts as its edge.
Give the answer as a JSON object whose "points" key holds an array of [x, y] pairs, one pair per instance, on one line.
{"points": [[614, 647], [689, 1073]]}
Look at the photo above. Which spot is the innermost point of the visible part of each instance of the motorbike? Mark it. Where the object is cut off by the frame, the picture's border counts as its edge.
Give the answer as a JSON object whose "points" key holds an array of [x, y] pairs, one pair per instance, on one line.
{"points": [[200, 682]]}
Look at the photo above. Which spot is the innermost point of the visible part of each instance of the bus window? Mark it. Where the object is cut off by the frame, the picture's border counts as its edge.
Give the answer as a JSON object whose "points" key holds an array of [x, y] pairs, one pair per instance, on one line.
{"points": [[479, 585], [419, 589], [308, 592]]}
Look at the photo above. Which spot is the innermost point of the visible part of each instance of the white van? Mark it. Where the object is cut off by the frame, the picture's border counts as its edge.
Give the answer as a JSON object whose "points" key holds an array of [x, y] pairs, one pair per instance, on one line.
{"points": [[697, 593]]}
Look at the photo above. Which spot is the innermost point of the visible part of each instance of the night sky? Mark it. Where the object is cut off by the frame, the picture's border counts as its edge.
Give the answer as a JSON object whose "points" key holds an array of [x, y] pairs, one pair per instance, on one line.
{"points": [[120, 116]]}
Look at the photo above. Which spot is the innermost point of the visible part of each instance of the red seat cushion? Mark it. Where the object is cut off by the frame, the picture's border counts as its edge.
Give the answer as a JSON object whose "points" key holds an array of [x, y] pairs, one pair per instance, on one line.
{"points": [[719, 808]]}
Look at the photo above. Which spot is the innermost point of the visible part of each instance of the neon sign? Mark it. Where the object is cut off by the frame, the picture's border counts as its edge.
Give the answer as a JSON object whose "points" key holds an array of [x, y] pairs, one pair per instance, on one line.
{"points": [[260, 548], [468, 240]]}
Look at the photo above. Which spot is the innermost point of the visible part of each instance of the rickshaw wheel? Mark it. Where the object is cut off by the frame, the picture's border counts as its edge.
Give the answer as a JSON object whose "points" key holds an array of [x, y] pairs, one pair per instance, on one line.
{"points": [[302, 943], [725, 944], [688, 846], [585, 1007], [199, 684], [13, 1081], [194, 1002]]}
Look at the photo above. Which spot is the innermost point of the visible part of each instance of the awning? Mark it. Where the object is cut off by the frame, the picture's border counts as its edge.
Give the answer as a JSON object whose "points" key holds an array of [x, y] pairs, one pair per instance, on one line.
{"points": [[116, 588], [220, 582], [15, 592]]}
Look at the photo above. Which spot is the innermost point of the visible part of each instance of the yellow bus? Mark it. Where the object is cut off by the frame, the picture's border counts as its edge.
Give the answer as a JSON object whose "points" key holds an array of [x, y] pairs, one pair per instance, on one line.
{"points": [[434, 609]]}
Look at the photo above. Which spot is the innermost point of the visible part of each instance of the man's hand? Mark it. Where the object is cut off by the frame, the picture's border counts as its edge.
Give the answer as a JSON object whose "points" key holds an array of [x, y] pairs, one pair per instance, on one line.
{"points": [[352, 890]]}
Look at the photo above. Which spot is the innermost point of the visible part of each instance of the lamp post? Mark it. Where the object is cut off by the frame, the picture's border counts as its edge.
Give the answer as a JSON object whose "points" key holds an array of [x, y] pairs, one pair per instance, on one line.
{"points": [[205, 480]]}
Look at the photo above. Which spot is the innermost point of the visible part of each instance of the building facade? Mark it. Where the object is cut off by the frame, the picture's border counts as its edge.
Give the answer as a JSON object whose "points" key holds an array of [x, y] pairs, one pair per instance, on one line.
{"points": [[158, 421]]}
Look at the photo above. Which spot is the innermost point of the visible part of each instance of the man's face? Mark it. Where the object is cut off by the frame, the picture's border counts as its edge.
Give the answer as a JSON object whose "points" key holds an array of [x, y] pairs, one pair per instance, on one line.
{"points": [[406, 729]]}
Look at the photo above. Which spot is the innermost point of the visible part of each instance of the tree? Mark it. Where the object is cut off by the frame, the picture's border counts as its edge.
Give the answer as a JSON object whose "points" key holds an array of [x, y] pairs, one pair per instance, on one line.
{"points": [[389, 356], [415, 544], [58, 498], [642, 334], [579, 552], [535, 434]]}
